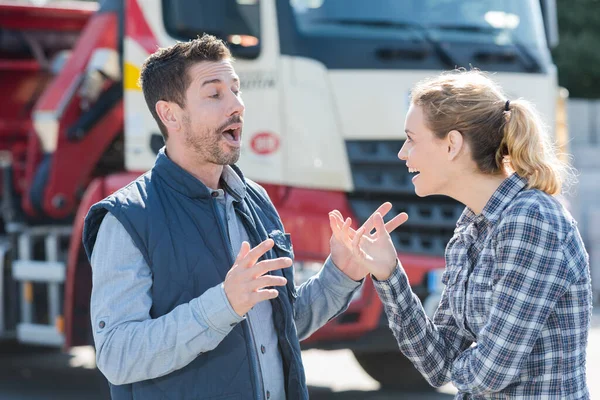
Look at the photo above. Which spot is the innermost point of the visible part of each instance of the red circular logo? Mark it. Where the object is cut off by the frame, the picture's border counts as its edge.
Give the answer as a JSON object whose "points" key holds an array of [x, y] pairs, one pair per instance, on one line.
{"points": [[264, 143]]}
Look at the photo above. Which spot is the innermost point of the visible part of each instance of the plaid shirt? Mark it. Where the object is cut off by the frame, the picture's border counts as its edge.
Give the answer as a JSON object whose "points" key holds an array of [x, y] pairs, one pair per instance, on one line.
{"points": [[514, 316]]}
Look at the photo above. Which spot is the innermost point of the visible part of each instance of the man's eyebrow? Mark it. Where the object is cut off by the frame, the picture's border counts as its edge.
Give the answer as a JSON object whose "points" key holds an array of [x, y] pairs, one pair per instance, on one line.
{"points": [[408, 131], [208, 82], [218, 81]]}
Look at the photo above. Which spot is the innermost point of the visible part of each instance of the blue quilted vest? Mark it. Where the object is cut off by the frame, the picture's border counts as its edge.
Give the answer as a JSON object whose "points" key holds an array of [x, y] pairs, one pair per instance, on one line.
{"points": [[174, 221]]}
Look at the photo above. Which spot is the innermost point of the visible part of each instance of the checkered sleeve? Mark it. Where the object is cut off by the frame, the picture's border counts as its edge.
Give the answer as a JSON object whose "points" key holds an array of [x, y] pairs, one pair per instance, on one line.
{"points": [[530, 276], [431, 346]]}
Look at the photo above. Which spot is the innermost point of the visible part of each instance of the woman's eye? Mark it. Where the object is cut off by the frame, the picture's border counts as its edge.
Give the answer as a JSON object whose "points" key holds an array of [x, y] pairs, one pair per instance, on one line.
{"points": [[215, 96]]}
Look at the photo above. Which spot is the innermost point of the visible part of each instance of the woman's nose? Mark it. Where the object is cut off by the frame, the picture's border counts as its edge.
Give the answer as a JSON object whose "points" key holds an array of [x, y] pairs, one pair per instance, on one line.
{"points": [[402, 152]]}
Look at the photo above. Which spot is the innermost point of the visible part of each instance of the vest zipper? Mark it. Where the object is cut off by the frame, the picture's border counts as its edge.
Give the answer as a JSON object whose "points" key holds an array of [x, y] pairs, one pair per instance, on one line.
{"points": [[227, 243], [254, 350], [286, 326]]}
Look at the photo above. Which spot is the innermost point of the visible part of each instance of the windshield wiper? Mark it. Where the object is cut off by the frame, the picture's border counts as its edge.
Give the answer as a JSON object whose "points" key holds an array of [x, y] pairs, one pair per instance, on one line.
{"points": [[442, 53], [521, 51], [465, 28]]}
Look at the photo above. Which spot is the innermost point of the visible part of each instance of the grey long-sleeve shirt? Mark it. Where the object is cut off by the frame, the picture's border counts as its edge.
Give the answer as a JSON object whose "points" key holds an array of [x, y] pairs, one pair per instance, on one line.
{"points": [[133, 347]]}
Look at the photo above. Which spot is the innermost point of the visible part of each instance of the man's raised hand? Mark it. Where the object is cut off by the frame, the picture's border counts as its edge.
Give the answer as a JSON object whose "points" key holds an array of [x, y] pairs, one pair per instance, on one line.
{"points": [[248, 282]]}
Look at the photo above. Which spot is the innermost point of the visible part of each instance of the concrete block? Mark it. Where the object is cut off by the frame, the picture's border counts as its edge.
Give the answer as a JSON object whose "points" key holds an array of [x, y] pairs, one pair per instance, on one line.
{"points": [[583, 197], [585, 156], [594, 133], [594, 249], [579, 114]]}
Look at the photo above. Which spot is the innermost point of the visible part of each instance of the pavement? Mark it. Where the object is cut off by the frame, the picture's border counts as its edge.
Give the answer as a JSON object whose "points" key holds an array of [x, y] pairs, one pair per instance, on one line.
{"points": [[28, 373]]}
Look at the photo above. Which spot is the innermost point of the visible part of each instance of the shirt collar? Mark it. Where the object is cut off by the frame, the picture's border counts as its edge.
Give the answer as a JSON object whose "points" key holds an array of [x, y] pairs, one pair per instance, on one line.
{"points": [[185, 183], [233, 182], [506, 192]]}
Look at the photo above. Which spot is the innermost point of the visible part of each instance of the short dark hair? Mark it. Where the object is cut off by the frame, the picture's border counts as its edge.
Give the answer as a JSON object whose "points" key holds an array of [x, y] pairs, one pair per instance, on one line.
{"points": [[164, 75]]}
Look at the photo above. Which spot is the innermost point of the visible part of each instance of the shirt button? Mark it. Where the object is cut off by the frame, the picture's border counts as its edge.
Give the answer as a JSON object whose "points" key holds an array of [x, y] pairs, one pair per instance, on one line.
{"points": [[263, 349], [215, 194], [101, 324], [268, 394]]}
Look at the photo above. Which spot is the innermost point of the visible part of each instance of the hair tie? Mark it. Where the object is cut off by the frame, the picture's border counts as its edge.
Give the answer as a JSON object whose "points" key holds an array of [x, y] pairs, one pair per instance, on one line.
{"points": [[507, 105]]}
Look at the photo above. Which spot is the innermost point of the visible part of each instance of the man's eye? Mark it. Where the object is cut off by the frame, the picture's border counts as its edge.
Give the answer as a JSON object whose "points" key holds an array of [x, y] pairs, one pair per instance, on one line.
{"points": [[215, 96]]}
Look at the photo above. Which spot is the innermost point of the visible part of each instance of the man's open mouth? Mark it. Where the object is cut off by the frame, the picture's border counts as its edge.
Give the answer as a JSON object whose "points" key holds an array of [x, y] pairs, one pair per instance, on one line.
{"points": [[233, 133]]}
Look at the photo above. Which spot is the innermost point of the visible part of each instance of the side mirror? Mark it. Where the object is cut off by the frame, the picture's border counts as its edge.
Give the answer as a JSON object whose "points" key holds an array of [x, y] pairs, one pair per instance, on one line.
{"points": [[549, 15]]}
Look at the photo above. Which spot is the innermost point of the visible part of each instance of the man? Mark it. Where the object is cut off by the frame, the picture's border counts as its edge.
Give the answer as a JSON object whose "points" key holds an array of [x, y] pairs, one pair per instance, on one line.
{"points": [[179, 302]]}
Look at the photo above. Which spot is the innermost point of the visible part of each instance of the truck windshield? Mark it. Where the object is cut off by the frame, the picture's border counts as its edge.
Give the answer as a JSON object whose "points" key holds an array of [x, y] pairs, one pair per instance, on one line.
{"points": [[235, 21], [498, 21]]}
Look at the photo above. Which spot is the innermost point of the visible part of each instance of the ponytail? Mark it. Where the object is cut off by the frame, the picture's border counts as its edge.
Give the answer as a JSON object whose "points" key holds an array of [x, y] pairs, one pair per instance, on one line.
{"points": [[527, 149], [502, 135]]}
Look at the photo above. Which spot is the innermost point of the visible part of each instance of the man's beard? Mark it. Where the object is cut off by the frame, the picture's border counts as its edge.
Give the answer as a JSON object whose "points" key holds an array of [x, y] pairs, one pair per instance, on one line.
{"points": [[207, 145]]}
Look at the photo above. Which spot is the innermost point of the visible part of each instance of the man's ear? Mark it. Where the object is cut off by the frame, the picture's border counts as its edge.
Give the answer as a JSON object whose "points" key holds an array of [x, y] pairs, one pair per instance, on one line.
{"points": [[169, 114], [455, 142]]}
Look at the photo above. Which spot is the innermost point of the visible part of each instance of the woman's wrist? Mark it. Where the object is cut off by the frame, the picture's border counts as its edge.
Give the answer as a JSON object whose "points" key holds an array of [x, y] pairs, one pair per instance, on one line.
{"points": [[385, 275]]}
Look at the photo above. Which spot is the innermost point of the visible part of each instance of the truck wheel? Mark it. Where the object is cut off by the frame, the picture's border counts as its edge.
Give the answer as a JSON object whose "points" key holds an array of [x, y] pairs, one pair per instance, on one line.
{"points": [[392, 370]]}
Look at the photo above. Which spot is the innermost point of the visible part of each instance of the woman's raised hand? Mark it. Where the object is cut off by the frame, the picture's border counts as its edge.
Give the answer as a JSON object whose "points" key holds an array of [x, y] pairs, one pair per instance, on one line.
{"points": [[370, 248]]}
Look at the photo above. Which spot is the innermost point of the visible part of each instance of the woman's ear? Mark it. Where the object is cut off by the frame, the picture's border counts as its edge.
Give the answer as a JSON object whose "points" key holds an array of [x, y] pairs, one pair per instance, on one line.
{"points": [[455, 142]]}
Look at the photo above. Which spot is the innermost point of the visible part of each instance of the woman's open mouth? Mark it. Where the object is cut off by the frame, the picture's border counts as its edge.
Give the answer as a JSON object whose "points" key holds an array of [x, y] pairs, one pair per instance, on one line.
{"points": [[414, 171]]}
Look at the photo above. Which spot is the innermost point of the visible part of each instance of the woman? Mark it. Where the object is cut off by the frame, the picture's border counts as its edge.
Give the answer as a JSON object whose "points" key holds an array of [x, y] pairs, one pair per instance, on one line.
{"points": [[514, 316]]}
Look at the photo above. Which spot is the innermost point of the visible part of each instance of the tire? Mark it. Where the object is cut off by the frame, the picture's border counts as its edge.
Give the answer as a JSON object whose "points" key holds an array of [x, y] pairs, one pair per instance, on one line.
{"points": [[392, 370]]}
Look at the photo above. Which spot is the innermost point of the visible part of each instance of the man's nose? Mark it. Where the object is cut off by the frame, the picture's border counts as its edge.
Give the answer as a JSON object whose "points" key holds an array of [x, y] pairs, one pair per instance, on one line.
{"points": [[237, 104]]}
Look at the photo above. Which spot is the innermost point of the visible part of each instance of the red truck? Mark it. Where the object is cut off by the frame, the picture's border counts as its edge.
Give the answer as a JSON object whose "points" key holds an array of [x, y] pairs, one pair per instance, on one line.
{"points": [[326, 86]]}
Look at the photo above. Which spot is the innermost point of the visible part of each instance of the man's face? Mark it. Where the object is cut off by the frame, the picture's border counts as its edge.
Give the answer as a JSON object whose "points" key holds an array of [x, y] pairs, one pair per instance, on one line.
{"points": [[213, 113]]}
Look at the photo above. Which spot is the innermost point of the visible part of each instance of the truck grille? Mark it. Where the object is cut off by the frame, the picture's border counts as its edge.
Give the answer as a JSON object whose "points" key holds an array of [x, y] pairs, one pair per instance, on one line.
{"points": [[378, 177]]}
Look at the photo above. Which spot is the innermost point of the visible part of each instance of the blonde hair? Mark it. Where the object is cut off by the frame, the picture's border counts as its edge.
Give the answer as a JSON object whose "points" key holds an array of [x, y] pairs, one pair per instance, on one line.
{"points": [[473, 104]]}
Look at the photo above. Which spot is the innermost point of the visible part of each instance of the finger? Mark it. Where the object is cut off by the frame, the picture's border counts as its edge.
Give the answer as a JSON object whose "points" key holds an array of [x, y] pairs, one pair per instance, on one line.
{"points": [[340, 221], [243, 251], [334, 222], [267, 280], [396, 222], [356, 240], [338, 214], [347, 224], [264, 294], [253, 255], [265, 266], [383, 210], [338, 218], [379, 225], [351, 233], [346, 231], [335, 228]]}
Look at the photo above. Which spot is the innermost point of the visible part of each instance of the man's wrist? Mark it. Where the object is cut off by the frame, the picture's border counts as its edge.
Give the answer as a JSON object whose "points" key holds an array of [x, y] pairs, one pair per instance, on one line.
{"points": [[337, 278]]}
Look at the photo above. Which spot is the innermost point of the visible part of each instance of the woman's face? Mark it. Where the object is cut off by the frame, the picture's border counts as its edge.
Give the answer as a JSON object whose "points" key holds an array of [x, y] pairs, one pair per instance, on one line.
{"points": [[426, 156]]}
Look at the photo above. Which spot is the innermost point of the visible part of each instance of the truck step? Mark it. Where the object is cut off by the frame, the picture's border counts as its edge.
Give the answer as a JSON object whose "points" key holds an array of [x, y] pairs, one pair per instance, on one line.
{"points": [[40, 334], [39, 271]]}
